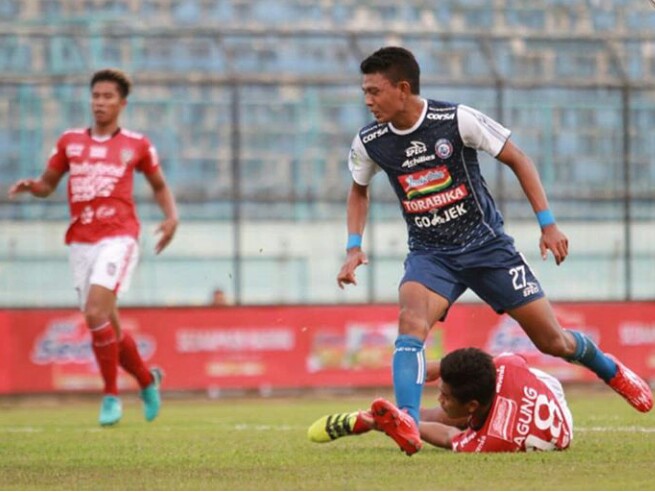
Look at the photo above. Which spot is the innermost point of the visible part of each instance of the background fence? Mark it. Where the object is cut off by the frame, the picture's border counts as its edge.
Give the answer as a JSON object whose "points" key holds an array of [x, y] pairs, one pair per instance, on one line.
{"points": [[253, 106]]}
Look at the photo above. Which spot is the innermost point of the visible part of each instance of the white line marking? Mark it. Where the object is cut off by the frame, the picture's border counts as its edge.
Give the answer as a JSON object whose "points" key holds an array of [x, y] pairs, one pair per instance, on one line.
{"points": [[632, 428]]}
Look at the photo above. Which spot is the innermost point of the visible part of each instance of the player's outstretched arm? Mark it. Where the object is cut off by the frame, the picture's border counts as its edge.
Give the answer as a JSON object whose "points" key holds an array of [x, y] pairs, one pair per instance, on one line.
{"points": [[166, 202], [40, 187], [357, 212], [438, 434], [432, 371], [551, 237]]}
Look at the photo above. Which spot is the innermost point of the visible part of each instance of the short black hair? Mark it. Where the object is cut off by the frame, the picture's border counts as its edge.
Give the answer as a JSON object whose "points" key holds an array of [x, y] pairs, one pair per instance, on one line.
{"points": [[471, 375], [115, 75], [396, 64]]}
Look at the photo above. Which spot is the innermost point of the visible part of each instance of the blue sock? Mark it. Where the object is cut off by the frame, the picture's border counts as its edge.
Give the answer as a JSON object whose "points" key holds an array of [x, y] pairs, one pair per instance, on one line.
{"points": [[590, 356], [409, 373]]}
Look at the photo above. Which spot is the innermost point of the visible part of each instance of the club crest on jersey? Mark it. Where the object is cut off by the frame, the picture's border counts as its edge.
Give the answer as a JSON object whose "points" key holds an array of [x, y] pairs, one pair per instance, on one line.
{"points": [[126, 156], [425, 182], [443, 148]]}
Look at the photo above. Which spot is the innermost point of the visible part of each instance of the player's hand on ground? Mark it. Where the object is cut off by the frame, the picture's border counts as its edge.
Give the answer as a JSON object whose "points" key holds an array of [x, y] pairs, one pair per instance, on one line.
{"points": [[554, 240], [346, 275], [20, 186], [167, 230]]}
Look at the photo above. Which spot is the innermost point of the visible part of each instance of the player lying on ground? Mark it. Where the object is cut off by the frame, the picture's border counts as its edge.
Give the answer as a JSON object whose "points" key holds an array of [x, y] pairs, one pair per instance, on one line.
{"points": [[486, 405]]}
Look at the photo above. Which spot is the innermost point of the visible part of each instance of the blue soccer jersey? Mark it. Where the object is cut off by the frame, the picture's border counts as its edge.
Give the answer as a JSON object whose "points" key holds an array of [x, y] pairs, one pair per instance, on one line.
{"points": [[434, 170]]}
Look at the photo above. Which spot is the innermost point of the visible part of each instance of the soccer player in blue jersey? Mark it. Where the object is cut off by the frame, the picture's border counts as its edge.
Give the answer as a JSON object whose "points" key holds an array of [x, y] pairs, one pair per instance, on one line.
{"points": [[428, 150]]}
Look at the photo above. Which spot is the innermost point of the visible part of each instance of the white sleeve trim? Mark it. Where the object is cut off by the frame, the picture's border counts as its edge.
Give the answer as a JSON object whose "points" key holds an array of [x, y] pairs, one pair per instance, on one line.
{"points": [[361, 166], [481, 132]]}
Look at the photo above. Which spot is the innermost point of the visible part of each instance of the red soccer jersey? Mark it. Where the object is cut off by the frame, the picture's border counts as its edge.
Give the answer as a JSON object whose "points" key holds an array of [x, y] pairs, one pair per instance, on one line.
{"points": [[101, 181], [525, 414]]}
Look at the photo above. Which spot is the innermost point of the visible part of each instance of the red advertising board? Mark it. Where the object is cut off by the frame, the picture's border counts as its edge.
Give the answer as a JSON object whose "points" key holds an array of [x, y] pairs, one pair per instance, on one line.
{"points": [[292, 346]]}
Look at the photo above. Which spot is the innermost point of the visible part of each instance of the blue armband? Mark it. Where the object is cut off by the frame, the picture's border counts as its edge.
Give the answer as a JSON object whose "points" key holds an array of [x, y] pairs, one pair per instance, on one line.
{"points": [[545, 218], [354, 241]]}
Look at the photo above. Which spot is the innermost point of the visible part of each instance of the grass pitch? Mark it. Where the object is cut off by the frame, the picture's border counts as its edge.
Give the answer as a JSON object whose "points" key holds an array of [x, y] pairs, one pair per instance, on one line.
{"points": [[261, 444]]}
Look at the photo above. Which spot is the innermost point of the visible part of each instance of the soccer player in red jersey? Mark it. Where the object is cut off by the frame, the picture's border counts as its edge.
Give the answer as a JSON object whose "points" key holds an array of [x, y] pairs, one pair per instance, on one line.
{"points": [[104, 229], [486, 405]]}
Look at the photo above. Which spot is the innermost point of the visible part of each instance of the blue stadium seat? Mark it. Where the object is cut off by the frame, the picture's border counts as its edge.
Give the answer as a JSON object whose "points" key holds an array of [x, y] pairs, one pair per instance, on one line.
{"points": [[9, 9]]}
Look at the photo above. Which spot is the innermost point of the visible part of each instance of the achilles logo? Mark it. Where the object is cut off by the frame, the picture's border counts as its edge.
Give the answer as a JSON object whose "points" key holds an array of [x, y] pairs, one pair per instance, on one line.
{"points": [[409, 163]]}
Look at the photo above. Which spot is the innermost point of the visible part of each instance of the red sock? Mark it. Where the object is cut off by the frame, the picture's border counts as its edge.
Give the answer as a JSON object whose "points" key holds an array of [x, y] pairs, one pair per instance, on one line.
{"points": [[363, 422], [105, 348], [131, 360]]}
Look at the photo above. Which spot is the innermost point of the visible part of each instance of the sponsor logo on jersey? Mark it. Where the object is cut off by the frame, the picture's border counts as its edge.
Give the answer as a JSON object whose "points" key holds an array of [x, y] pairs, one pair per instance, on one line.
{"points": [[354, 158], [461, 443], [441, 216], [377, 133], [425, 182], [74, 150], [415, 148], [502, 418], [438, 200], [90, 180], [443, 148], [409, 163], [98, 152], [441, 117], [104, 212], [86, 217]]}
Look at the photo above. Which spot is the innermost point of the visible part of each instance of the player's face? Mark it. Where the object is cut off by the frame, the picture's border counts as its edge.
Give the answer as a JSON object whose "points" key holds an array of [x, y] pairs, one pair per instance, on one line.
{"points": [[383, 98], [106, 102], [451, 405]]}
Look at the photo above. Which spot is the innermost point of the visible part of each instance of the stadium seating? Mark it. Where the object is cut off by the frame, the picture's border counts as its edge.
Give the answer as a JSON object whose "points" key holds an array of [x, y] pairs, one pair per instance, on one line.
{"points": [[552, 70]]}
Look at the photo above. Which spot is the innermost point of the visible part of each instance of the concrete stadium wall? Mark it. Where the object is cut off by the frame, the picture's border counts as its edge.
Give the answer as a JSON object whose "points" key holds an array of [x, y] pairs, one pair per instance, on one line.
{"points": [[285, 262]]}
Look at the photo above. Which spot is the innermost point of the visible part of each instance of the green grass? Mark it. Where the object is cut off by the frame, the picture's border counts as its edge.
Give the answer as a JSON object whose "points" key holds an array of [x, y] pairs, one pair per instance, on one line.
{"points": [[261, 444]]}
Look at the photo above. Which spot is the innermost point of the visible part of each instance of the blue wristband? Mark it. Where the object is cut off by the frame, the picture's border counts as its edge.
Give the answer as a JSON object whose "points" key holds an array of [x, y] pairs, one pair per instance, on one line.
{"points": [[354, 241], [545, 218]]}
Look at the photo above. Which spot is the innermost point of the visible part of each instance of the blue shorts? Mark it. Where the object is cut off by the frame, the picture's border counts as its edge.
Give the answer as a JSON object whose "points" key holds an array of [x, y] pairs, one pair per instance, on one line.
{"points": [[496, 272]]}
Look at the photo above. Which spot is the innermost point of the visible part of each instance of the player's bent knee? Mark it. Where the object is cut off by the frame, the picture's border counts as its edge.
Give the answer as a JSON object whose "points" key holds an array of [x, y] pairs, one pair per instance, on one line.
{"points": [[557, 346], [412, 323], [95, 317]]}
